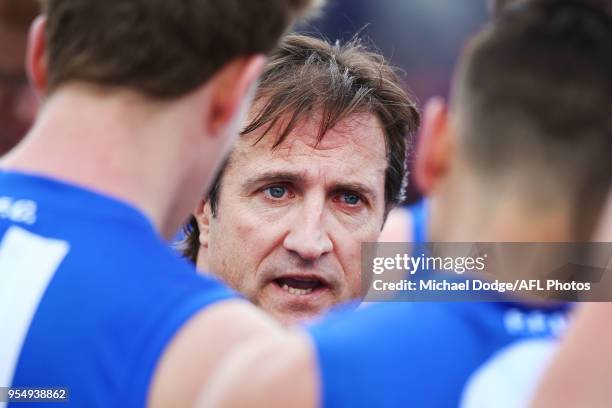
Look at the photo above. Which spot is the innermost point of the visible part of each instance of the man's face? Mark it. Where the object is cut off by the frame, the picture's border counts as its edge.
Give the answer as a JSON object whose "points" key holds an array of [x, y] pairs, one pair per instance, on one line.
{"points": [[18, 104], [291, 219]]}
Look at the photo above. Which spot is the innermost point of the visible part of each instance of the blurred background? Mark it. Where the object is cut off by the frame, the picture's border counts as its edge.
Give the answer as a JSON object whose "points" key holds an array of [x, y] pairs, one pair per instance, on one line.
{"points": [[421, 37], [18, 104]]}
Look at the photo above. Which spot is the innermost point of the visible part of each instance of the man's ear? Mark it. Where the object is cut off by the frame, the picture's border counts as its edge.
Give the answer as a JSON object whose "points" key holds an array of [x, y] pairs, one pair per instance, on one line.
{"points": [[203, 215], [36, 59], [434, 150], [231, 92]]}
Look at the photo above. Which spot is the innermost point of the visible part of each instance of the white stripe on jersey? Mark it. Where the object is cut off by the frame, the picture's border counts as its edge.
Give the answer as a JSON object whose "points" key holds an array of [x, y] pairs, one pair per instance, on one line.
{"points": [[27, 264], [509, 378]]}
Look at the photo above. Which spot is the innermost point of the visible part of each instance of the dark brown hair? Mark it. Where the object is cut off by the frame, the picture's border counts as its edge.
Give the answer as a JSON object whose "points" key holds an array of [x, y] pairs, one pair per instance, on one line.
{"points": [[306, 75], [161, 48], [533, 94]]}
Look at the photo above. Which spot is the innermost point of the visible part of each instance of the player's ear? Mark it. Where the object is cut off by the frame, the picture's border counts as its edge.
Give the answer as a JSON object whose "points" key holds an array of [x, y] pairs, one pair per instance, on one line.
{"points": [[232, 89], [203, 215], [435, 146], [37, 55]]}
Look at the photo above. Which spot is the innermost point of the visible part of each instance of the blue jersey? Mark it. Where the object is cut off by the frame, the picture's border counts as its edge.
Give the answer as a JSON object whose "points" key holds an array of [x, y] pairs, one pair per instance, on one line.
{"points": [[435, 354], [90, 295], [418, 214]]}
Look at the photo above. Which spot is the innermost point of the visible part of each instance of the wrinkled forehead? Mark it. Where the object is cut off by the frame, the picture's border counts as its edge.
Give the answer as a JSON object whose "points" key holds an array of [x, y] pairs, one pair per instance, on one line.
{"points": [[355, 134], [355, 147]]}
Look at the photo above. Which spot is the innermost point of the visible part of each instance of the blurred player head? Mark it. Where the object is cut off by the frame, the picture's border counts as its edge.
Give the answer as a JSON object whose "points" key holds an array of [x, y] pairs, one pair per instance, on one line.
{"points": [[17, 101], [143, 99], [318, 167], [524, 150], [167, 81]]}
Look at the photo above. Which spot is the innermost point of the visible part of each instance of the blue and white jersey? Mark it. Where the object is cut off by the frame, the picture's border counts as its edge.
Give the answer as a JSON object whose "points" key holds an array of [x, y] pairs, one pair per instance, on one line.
{"points": [[90, 295], [436, 354]]}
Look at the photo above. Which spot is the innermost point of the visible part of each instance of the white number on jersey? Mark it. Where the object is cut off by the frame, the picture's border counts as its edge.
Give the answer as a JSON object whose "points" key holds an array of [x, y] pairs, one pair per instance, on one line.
{"points": [[27, 265]]}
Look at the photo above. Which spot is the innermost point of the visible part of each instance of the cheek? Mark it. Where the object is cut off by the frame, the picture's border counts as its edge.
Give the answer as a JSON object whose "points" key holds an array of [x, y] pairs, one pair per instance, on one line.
{"points": [[347, 241], [237, 247], [348, 250]]}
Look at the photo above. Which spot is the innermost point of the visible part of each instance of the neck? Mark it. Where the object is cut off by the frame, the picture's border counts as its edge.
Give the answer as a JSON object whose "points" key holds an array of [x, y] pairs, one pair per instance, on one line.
{"points": [[505, 215], [117, 144], [507, 212]]}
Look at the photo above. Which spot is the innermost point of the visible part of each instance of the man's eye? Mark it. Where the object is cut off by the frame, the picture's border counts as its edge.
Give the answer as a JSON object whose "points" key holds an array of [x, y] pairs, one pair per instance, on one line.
{"points": [[276, 191], [351, 199]]}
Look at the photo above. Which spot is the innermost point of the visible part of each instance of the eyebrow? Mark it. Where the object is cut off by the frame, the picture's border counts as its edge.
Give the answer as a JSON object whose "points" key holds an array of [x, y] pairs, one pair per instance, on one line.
{"points": [[298, 178], [271, 177], [360, 188]]}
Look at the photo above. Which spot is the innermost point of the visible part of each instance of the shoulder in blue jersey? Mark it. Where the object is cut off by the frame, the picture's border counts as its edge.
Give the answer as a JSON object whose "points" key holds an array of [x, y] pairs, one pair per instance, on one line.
{"points": [[487, 354], [90, 295]]}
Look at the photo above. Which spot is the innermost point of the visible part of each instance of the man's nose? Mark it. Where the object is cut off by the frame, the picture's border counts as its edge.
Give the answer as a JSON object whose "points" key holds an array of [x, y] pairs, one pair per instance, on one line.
{"points": [[308, 236]]}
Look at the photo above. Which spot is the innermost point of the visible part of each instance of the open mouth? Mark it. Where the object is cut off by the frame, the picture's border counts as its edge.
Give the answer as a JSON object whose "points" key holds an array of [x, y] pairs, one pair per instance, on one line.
{"points": [[301, 286]]}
